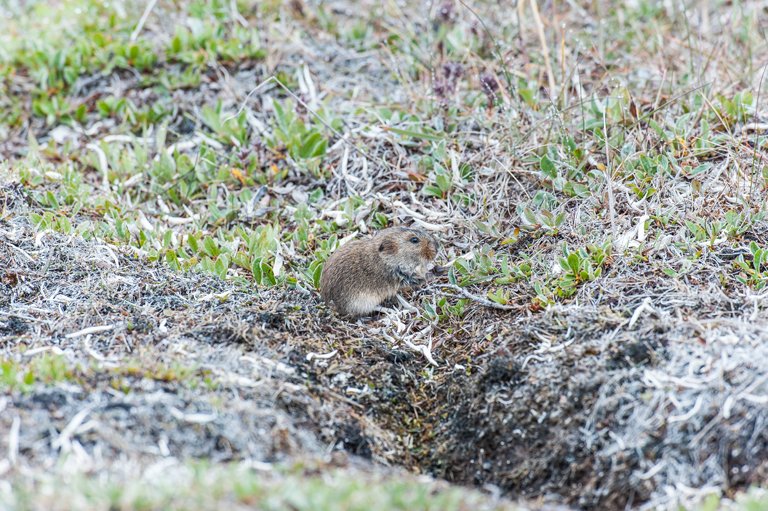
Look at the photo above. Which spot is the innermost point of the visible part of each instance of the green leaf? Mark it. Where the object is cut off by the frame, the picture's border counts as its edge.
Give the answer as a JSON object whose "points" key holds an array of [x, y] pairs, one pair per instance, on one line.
{"points": [[746, 98], [221, 266], [530, 217], [580, 190], [268, 278], [498, 297], [308, 147], [655, 127], [80, 112], [211, 119], [70, 75], [528, 95], [210, 248], [103, 108], [443, 182], [207, 264], [759, 256], [574, 263], [701, 168], [256, 270], [548, 167], [172, 261], [51, 199], [316, 273], [219, 269], [483, 227], [320, 148]]}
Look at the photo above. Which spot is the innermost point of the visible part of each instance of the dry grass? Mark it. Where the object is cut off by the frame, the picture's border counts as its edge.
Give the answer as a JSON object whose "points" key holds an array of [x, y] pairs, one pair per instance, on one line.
{"points": [[595, 174]]}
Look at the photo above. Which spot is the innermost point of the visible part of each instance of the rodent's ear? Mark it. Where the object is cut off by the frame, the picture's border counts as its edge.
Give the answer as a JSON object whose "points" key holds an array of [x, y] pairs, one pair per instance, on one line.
{"points": [[388, 247]]}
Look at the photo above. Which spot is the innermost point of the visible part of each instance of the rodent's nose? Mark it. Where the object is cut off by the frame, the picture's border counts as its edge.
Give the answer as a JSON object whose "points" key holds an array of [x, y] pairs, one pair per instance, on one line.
{"points": [[438, 270]]}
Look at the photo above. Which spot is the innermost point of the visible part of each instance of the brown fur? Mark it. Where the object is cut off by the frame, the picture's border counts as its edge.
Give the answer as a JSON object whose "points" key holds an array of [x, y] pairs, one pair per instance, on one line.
{"points": [[362, 274]]}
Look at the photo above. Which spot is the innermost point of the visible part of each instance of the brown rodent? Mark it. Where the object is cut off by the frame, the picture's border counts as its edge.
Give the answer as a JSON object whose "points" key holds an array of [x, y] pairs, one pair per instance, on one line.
{"points": [[362, 274]]}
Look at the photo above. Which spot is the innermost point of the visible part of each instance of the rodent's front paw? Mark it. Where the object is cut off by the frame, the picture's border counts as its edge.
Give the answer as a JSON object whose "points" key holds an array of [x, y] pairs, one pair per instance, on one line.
{"points": [[437, 271]]}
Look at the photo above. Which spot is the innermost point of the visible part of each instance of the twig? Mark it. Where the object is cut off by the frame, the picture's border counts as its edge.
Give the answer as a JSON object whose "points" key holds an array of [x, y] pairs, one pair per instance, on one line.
{"points": [[63, 441], [424, 349], [147, 12], [608, 180], [338, 396], [236, 15], [478, 299], [646, 305], [90, 330], [318, 356], [13, 440], [544, 49]]}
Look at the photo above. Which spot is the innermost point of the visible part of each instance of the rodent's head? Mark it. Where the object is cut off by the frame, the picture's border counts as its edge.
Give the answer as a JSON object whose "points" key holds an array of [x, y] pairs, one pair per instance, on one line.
{"points": [[407, 251]]}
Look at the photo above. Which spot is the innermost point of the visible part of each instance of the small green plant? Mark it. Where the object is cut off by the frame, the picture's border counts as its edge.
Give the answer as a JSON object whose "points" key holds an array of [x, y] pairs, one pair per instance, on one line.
{"points": [[704, 230], [735, 110], [543, 219], [111, 106], [500, 296], [442, 186], [14, 377], [305, 144], [436, 312], [580, 266], [50, 369], [733, 226], [513, 273], [737, 224], [480, 268], [641, 174], [55, 109], [565, 177], [752, 274], [227, 129], [47, 369], [543, 296]]}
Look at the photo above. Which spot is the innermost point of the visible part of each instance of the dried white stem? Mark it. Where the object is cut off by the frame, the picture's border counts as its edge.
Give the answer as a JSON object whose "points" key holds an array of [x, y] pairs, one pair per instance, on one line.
{"points": [[466, 294]]}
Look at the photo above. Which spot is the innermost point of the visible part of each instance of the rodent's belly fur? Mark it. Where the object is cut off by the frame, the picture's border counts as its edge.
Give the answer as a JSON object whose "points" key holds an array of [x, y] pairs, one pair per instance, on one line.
{"points": [[365, 302]]}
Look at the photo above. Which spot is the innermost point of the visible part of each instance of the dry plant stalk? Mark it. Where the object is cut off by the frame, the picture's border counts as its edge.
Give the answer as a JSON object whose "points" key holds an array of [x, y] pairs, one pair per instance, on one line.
{"points": [[544, 49], [479, 299]]}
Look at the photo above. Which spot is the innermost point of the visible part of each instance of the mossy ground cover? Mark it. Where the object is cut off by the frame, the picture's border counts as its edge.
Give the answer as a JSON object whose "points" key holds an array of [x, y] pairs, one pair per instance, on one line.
{"points": [[175, 174]]}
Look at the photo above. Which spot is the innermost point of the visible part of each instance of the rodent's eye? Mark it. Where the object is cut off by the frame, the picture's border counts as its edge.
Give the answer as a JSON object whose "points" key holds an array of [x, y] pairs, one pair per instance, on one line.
{"points": [[414, 240]]}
